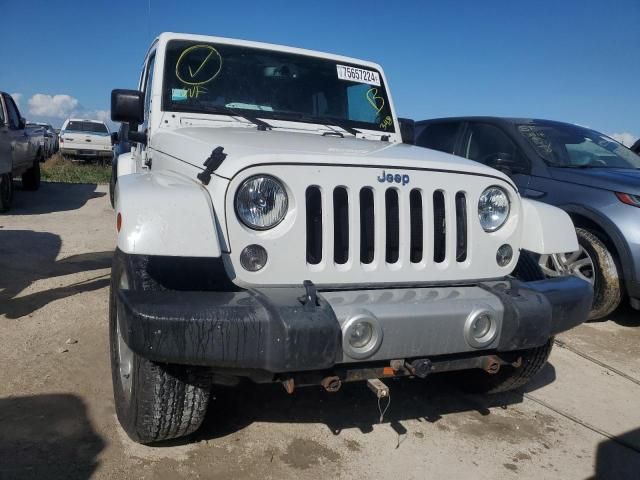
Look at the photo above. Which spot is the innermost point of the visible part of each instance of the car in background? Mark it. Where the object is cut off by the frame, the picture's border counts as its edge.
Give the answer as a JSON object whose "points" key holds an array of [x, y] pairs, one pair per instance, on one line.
{"points": [[636, 147], [39, 135], [85, 139], [20, 152], [50, 132], [594, 178]]}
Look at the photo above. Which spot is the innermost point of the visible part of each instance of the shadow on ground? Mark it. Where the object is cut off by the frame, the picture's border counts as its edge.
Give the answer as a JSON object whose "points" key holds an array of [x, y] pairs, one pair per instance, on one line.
{"points": [[47, 436], [354, 406], [625, 316], [52, 197], [619, 458], [27, 256]]}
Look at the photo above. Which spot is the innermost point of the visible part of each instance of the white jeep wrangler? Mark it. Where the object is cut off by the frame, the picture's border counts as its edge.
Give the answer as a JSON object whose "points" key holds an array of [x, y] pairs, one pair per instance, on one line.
{"points": [[272, 225]]}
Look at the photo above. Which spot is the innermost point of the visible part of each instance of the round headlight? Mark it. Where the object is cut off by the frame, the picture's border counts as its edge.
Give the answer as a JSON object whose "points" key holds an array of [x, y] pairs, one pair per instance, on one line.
{"points": [[493, 208], [261, 202]]}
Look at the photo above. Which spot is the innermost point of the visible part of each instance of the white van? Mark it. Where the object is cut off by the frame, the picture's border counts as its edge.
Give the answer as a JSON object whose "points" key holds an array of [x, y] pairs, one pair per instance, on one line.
{"points": [[88, 139]]}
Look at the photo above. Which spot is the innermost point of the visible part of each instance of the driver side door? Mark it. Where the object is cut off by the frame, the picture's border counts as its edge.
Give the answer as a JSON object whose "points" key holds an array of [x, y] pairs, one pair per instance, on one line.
{"points": [[491, 145]]}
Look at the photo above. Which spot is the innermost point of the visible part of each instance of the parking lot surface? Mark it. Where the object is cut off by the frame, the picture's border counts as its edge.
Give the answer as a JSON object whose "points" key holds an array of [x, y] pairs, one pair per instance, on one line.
{"points": [[580, 418]]}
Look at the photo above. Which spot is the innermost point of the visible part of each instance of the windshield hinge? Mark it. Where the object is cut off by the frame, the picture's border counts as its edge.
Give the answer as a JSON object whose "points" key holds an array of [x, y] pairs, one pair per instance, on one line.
{"points": [[211, 164]]}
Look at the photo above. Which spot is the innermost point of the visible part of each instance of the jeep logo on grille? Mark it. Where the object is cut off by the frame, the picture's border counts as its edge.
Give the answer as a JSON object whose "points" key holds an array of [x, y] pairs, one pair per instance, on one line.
{"points": [[393, 178]]}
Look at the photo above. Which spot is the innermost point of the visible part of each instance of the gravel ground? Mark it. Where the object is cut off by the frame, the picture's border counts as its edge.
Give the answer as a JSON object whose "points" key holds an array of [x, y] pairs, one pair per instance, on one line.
{"points": [[578, 419]]}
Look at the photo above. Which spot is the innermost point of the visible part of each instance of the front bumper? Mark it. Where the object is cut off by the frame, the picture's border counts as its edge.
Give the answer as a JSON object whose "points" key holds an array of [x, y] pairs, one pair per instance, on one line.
{"points": [[273, 330]]}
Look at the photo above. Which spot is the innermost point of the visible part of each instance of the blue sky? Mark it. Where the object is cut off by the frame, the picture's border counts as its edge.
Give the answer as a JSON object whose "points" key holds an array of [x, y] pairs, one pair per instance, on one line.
{"points": [[576, 61]]}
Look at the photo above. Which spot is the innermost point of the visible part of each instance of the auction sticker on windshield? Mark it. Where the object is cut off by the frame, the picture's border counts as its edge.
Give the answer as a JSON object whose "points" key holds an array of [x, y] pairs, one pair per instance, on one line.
{"points": [[358, 75]]}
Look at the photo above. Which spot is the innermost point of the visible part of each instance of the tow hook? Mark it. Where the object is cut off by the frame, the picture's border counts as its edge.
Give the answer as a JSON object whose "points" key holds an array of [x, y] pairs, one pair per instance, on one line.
{"points": [[289, 385], [331, 384], [491, 365], [381, 392], [420, 368]]}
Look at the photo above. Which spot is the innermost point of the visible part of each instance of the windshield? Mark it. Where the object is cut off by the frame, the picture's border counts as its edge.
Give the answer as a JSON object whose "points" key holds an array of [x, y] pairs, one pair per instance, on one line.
{"points": [[570, 146], [201, 78], [90, 127]]}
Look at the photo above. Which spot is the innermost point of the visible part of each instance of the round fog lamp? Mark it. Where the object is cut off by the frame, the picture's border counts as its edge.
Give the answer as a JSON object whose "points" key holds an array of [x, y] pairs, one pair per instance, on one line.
{"points": [[253, 258], [504, 255], [360, 334], [480, 327]]}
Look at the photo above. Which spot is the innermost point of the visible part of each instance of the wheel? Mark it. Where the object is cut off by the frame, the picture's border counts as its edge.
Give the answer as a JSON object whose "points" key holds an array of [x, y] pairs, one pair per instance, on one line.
{"points": [[6, 191], [154, 402], [31, 178], [594, 263], [508, 377], [527, 268]]}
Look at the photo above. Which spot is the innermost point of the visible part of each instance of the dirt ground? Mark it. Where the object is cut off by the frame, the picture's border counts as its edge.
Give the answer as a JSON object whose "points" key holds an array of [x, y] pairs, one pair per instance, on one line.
{"points": [[580, 418]]}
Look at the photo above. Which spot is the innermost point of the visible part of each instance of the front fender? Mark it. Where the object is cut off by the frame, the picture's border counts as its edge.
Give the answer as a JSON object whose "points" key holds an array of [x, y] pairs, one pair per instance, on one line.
{"points": [[165, 214], [547, 229]]}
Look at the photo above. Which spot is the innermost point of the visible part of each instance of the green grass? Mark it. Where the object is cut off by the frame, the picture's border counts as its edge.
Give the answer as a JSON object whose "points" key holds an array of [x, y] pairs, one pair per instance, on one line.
{"points": [[60, 169]]}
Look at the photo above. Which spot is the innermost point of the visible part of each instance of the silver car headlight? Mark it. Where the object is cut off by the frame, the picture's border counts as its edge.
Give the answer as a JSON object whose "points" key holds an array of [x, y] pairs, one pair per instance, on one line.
{"points": [[493, 208], [261, 202]]}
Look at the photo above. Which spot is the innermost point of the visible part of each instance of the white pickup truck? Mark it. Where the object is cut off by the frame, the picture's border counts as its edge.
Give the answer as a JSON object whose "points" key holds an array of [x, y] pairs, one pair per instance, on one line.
{"points": [[85, 139], [272, 225], [20, 152]]}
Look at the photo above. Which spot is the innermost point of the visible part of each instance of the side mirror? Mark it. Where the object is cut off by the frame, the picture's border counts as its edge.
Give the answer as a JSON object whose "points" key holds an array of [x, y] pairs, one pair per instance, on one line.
{"points": [[23, 123], [407, 130], [127, 106], [114, 138]]}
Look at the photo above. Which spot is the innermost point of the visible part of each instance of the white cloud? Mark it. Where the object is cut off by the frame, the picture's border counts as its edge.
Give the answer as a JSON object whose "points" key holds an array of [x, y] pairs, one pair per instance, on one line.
{"points": [[625, 138], [59, 106], [56, 108], [16, 98]]}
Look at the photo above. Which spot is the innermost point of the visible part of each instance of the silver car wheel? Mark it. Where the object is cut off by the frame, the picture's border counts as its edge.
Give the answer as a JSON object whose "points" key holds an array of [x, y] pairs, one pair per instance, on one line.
{"points": [[579, 264]]}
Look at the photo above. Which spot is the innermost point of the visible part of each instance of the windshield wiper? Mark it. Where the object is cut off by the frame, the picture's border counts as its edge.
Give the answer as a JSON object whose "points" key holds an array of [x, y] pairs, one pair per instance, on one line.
{"points": [[300, 117], [222, 110], [261, 124]]}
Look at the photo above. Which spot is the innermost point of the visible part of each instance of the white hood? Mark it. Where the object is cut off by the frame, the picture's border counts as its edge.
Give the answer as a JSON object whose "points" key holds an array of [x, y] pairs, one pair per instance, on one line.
{"points": [[247, 146]]}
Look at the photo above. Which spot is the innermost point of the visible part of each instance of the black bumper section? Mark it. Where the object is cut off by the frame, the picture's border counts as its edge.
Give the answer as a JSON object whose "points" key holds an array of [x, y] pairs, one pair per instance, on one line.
{"points": [[272, 330]]}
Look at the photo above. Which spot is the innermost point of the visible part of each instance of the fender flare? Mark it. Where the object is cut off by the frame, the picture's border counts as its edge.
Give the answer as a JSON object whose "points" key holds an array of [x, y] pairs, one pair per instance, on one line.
{"points": [[547, 229], [165, 214]]}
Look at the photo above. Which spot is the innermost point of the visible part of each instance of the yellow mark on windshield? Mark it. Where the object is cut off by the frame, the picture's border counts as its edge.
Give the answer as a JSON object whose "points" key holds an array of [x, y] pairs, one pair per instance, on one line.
{"points": [[205, 70], [374, 99]]}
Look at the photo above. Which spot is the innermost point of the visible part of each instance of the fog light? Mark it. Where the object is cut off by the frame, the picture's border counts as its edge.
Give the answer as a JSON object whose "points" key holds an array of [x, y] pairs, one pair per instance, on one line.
{"points": [[481, 328], [504, 255], [360, 334], [253, 258]]}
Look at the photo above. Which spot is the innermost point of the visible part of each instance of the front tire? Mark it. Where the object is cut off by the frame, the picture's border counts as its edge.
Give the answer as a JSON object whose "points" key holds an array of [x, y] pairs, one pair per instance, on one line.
{"points": [[154, 402], [593, 263], [6, 191], [31, 178], [508, 377]]}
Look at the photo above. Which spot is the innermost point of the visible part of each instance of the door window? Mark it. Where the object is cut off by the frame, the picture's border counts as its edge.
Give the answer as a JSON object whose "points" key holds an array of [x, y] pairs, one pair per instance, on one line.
{"points": [[488, 144], [12, 113], [439, 136]]}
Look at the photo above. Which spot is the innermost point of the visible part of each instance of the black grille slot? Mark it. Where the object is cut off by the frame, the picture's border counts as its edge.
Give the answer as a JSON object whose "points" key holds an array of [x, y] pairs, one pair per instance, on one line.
{"points": [[415, 206], [367, 226], [439, 227], [461, 227], [392, 224], [340, 225], [314, 225]]}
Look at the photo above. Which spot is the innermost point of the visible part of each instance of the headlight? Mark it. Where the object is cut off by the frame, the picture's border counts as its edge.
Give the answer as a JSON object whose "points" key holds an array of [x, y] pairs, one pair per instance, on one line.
{"points": [[261, 202], [493, 208]]}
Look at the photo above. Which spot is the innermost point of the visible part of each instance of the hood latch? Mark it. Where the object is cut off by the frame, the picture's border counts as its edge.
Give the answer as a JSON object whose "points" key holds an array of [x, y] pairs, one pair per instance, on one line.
{"points": [[211, 164]]}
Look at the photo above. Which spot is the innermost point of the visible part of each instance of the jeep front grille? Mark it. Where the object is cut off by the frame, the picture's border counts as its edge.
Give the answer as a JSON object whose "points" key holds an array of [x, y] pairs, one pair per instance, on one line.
{"points": [[400, 230]]}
